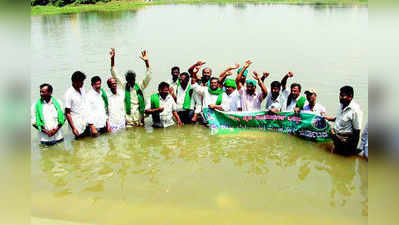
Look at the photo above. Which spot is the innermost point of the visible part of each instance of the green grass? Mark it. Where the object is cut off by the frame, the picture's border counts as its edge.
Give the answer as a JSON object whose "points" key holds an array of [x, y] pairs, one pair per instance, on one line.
{"points": [[134, 5]]}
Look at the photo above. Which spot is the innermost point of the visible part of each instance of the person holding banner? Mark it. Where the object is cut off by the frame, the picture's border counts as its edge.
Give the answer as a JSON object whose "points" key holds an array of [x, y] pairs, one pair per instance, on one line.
{"points": [[163, 108], [250, 99], [313, 107], [212, 95], [48, 117], [292, 98], [347, 124]]}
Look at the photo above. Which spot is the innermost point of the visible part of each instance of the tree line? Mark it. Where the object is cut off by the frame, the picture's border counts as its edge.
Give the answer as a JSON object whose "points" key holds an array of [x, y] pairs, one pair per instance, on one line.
{"points": [[60, 3]]}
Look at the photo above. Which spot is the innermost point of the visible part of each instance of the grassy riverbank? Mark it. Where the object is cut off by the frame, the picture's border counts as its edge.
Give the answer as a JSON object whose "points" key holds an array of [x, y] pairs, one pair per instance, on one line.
{"points": [[134, 4]]}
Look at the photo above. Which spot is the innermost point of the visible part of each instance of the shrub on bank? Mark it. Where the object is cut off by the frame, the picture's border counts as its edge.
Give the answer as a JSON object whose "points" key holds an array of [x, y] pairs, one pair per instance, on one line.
{"points": [[64, 2]]}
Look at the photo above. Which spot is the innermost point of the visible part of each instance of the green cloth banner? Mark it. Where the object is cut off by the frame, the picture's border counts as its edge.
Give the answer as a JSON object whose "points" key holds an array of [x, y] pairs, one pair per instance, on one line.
{"points": [[303, 125]]}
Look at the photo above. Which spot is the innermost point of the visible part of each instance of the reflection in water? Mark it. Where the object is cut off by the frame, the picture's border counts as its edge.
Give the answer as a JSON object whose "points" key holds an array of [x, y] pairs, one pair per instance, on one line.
{"points": [[107, 162]]}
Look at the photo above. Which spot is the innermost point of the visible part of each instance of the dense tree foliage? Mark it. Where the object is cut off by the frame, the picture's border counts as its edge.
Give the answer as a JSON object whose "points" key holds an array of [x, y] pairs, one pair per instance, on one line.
{"points": [[64, 2]]}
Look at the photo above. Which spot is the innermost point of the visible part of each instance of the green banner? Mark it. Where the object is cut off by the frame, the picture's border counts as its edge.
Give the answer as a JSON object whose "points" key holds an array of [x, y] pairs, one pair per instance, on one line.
{"points": [[304, 125]]}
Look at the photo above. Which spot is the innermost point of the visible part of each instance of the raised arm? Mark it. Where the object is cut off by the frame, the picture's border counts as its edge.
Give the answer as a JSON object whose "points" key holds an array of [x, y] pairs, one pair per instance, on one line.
{"points": [[197, 64], [261, 84], [265, 75], [285, 78], [147, 78], [119, 79], [227, 72], [239, 76]]}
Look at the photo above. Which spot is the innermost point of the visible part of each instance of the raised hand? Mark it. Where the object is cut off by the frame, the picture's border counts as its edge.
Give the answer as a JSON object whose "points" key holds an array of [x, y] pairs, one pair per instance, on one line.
{"points": [[256, 76], [265, 74], [144, 55], [229, 73], [247, 63], [290, 74], [196, 69], [112, 52], [235, 66], [199, 63]]}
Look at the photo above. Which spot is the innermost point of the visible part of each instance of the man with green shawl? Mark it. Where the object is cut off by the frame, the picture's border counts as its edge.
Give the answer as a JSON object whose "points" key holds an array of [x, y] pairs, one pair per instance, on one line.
{"points": [[212, 94], [292, 97], [134, 98], [48, 116], [163, 108], [183, 96]]}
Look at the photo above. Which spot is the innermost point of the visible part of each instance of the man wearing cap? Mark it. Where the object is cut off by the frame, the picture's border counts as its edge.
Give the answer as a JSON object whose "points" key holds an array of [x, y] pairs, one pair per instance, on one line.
{"points": [[250, 99], [347, 124], [312, 107]]}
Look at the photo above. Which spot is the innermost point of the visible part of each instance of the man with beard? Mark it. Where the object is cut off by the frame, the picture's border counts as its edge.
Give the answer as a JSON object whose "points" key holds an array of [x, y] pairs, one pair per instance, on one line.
{"points": [[206, 73], [346, 129], [134, 98], [292, 96], [163, 108], [184, 99], [116, 106], [175, 72], [212, 94], [97, 101], [48, 117], [250, 99], [76, 106]]}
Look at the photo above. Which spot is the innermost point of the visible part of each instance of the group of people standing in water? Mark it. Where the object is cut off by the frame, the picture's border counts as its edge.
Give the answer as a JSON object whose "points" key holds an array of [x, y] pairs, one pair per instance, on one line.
{"points": [[181, 101]]}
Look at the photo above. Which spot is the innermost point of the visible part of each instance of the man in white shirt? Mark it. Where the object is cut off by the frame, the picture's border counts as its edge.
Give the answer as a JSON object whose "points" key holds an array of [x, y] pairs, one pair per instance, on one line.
{"points": [[97, 101], [175, 72], [313, 107], [134, 98], [274, 98], [48, 117], [231, 99], [212, 95], [292, 96], [183, 95], [116, 106], [250, 99], [76, 106], [163, 108], [346, 129]]}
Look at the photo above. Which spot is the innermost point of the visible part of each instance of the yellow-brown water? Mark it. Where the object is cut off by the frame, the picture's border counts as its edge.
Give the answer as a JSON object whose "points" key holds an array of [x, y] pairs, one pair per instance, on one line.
{"points": [[180, 176], [186, 176]]}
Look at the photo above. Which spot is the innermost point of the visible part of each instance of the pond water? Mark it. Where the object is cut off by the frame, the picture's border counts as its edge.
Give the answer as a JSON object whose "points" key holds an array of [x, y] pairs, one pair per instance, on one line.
{"points": [[185, 175]]}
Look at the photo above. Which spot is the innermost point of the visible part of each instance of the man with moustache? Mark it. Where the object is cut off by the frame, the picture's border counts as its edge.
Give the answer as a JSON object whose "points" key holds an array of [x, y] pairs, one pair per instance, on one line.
{"points": [[347, 123], [250, 99], [76, 110], [292, 96], [175, 72], [116, 106], [163, 108], [48, 117], [97, 101]]}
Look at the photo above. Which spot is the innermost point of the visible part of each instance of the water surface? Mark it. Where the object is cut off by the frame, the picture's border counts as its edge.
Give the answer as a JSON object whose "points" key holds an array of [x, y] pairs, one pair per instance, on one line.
{"points": [[184, 175]]}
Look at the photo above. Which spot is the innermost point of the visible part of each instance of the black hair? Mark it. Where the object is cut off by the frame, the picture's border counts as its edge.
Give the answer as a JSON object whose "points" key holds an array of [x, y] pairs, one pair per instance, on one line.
{"points": [[95, 79], [275, 84], [296, 85], [49, 87], [185, 74], [130, 75], [162, 85], [213, 78], [175, 68], [348, 90], [78, 76]]}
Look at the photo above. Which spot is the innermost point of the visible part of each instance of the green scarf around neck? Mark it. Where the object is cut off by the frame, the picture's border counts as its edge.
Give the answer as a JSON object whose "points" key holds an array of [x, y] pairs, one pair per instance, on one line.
{"points": [[39, 113], [140, 97], [105, 98], [187, 97], [155, 101], [300, 103], [218, 92]]}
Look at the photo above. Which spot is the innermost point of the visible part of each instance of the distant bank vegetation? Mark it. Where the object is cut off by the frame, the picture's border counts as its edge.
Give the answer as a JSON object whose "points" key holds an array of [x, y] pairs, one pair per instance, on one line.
{"points": [[48, 7], [60, 3]]}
